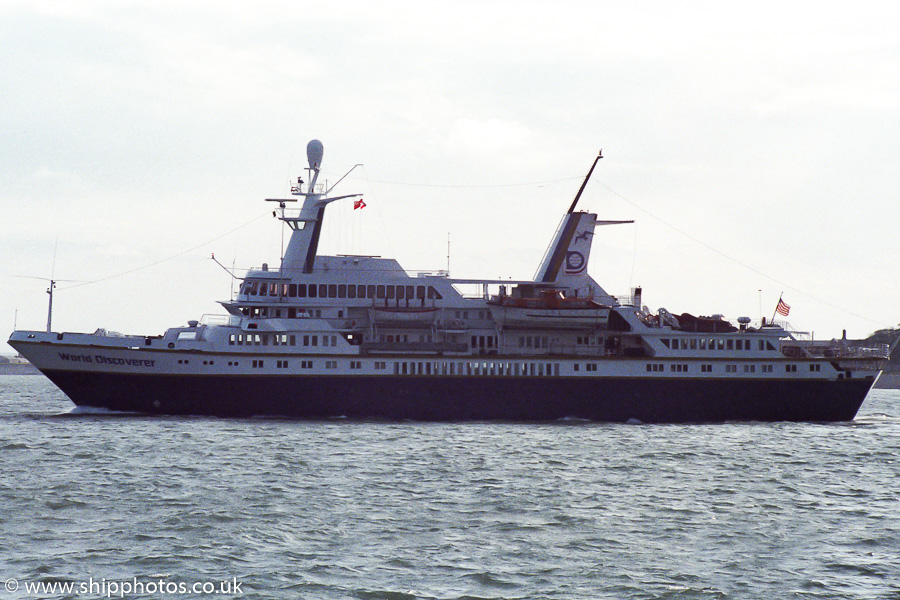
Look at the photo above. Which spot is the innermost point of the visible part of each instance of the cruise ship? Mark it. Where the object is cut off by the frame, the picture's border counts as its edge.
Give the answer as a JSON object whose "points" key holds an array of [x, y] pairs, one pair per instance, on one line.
{"points": [[359, 337]]}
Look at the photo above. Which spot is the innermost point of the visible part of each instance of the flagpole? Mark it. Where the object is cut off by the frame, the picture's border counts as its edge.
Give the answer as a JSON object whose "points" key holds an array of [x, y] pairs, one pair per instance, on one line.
{"points": [[776, 307]]}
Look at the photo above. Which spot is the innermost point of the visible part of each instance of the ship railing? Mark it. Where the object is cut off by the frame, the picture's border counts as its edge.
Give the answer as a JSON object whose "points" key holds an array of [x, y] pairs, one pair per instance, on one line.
{"points": [[838, 349], [412, 347], [440, 273], [629, 300], [560, 350], [220, 320]]}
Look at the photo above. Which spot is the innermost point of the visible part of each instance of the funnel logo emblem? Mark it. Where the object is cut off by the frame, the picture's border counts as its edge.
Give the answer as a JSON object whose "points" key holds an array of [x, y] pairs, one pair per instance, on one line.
{"points": [[575, 262]]}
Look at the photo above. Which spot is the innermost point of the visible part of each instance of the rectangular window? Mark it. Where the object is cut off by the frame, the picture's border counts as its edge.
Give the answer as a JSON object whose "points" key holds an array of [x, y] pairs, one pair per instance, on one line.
{"points": [[342, 290], [351, 291], [313, 290], [301, 290]]}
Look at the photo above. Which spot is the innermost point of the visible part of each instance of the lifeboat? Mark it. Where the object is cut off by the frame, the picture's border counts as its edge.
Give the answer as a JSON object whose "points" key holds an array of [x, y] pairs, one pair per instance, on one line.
{"points": [[396, 316], [548, 309]]}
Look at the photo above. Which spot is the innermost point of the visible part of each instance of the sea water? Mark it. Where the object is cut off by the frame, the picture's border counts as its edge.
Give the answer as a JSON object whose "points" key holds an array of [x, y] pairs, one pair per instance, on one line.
{"points": [[96, 505]]}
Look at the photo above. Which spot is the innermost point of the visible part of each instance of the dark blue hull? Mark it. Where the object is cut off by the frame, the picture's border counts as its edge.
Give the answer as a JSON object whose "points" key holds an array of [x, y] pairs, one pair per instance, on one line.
{"points": [[433, 398]]}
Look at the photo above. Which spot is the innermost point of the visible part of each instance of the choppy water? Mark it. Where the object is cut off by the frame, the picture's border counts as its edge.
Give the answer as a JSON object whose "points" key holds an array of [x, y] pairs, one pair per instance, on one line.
{"points": [[409, 510]]}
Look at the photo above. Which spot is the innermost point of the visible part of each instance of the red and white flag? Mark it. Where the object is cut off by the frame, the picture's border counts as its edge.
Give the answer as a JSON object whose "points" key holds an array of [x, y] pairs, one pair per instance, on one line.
{"points": [[359, 204], [783, 308]]}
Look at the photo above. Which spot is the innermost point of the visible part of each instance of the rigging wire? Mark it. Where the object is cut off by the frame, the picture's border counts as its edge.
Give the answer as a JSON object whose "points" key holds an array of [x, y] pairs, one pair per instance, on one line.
{"points": [[469, 186], [735, 260], [162, 260]]}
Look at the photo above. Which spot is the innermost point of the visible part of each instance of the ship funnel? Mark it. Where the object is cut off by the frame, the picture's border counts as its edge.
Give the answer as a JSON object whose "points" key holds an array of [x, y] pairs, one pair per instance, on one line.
{"points": [[314, 151]]}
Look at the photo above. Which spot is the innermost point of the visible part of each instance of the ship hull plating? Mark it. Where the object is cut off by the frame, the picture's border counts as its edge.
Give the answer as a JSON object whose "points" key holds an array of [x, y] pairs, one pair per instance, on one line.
{"points": [[607, 399]]}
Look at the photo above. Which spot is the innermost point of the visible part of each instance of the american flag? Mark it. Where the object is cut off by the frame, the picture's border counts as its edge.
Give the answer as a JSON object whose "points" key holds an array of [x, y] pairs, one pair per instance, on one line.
{"points": [[783, 308]]}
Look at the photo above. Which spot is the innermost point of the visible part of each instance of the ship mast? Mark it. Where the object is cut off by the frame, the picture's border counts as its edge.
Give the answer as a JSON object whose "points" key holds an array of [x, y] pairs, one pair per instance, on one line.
{"points": [[300, 254]]}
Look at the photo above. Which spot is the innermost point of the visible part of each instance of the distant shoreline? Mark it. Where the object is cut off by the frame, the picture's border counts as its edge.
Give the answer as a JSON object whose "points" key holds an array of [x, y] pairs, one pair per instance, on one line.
{"points": [[18, 369], [888, 381]]}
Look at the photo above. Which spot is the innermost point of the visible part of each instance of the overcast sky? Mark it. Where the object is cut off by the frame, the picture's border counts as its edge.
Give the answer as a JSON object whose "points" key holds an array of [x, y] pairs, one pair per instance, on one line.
{"points": [[755, 145]]}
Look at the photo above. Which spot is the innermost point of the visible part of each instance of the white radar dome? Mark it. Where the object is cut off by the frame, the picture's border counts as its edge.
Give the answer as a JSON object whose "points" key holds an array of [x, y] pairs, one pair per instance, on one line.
{"points": [[314, 151]]}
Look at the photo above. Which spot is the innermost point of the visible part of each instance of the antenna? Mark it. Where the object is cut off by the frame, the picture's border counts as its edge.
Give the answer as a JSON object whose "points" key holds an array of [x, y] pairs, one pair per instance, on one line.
{"points": [[584, 183], [50, 305], [53, 283]]}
